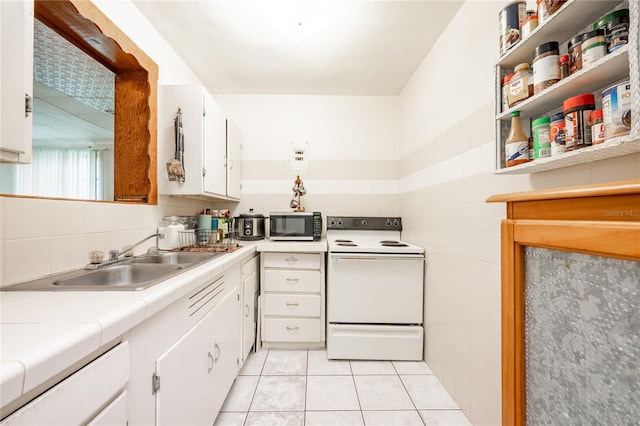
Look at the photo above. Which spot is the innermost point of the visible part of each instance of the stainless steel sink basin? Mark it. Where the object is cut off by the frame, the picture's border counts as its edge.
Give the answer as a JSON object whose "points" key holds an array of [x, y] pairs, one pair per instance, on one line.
{"points": [[131, 274], [127, 275]]}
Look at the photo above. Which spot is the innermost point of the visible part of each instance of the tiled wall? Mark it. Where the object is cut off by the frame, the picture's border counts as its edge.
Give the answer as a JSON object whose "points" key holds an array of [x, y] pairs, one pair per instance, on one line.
{"points": [[446, 173]]}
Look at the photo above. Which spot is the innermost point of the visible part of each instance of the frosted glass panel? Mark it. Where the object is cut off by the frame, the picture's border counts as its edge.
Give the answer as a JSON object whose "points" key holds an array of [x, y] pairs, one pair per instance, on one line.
{"points": [[582, 339]]}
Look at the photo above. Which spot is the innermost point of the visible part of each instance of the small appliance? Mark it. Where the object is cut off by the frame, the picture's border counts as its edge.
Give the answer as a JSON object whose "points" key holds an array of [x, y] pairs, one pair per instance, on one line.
{"points": [[249, 226], [295, 226]]}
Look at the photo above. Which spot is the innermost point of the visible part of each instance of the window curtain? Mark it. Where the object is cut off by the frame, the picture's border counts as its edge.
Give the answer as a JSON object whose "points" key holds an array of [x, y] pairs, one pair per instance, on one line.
{"points": [[64, 173]]}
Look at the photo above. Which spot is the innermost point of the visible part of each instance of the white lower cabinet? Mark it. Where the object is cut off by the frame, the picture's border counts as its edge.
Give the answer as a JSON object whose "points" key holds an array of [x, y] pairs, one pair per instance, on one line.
{"points": [[193, 377], [86, 396], [292, 300]]}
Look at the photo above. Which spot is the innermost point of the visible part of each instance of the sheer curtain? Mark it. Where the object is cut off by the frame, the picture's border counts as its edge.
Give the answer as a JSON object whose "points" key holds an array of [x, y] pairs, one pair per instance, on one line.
{"points": [[64, 173]]}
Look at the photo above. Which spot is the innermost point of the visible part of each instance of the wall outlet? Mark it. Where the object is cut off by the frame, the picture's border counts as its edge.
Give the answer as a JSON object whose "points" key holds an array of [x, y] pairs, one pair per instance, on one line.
{"points": [[299, 157]]}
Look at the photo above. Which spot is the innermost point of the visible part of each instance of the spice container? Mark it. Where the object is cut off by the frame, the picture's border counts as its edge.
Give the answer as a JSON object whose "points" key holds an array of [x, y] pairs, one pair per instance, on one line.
{"points": [[577, 120], [546, 66], [516, 147], [564, 66], [556, 134], [529, 24], [616, 110], [618, 22], [541, 6], [541, 141], [553, 5], [593, 47], [574, 48], [509, 19], [597, 127], [505, 89], [520, 85]]}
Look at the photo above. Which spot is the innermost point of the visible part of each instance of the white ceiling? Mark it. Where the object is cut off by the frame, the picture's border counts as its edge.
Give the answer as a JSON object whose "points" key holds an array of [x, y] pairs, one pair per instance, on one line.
{"points": [[350, 47]]}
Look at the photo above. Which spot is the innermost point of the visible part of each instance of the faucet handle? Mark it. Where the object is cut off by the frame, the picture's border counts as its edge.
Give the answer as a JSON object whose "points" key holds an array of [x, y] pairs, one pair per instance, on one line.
{"points": [[113, 254]]}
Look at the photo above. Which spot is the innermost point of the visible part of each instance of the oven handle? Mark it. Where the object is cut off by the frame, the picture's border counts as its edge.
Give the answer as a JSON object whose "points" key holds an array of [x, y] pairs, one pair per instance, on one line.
{"points": [[377, 257]]}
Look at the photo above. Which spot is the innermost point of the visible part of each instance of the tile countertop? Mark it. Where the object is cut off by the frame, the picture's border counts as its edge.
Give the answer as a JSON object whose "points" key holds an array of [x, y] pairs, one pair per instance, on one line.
{"points": [[42, 333]]}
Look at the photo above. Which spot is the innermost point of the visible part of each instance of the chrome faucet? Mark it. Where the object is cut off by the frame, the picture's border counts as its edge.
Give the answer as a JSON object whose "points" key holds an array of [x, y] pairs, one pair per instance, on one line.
{"points": [[115, 254]]}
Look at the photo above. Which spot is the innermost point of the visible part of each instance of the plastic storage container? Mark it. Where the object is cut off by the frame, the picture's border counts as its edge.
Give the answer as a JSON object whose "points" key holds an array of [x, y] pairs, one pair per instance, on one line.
{"points": [[546, 66], [577, 120], [170, 226], [556, 134], [594, 47], [541, 140]]}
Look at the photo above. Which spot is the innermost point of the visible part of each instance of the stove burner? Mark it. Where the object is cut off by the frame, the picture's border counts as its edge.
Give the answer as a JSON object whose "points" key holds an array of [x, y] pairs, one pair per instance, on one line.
{"points": [[347, 244], [395, 244], [343, 241]]}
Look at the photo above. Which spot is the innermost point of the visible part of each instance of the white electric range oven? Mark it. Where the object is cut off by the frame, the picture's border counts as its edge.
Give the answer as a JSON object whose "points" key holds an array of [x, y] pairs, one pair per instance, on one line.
{"points": [[375, 288]]}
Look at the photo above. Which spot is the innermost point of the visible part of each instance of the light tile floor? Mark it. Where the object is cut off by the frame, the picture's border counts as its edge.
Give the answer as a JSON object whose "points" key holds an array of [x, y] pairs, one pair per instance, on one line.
{"points": [[278, 387]]}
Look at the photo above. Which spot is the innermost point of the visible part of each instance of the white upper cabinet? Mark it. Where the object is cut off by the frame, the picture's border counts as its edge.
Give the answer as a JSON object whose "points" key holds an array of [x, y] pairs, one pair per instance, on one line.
{"points": [[206, 147], [16, 80], [234, 160]]}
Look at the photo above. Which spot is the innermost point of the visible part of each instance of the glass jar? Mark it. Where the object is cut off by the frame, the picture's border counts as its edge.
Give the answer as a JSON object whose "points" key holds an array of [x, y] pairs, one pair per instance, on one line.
{"points": [[564, 66], [574, 49], [520, 85], [594, 47]]}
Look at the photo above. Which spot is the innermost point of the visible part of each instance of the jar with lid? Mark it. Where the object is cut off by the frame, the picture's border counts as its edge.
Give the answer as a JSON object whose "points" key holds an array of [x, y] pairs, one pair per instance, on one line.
{"points": [[574, 49], [529, 24], [170, 226], [516, 146], [618, 22], [505, 90], [541, 6], [546, 66], [556, 134], [541, 141], [520, 85], [564, 66], [593, 47], [577, 120], [597, 127]]}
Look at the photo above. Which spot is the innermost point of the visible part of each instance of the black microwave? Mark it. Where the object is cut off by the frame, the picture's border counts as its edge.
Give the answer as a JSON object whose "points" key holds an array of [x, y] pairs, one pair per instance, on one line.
{"points": [[293, 226]]}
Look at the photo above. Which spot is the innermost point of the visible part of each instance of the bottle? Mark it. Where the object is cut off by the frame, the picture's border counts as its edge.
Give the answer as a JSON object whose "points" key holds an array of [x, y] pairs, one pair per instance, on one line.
{"points": [[564, 66], [516, 147]]}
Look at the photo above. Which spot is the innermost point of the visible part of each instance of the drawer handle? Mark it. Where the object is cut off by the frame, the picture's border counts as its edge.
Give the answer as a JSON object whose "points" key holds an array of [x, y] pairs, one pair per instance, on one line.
{"points": [[211, 362], [217, 353], [292, 305], [247, 311], [291, 259], [293, 280], [294, 328]]}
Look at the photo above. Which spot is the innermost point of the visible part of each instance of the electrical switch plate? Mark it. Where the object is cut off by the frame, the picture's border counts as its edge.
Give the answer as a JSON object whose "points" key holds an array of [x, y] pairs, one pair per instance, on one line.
{"points": [[299, 156]]}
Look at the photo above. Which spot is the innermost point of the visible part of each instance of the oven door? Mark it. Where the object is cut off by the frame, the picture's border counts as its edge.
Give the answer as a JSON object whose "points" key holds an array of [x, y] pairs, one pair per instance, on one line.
{"points": [[375, 288]]}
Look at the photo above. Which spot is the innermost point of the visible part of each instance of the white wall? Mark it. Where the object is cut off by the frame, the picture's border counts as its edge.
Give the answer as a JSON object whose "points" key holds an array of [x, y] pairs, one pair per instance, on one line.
{"points": [[447, 157], [352, 146]]}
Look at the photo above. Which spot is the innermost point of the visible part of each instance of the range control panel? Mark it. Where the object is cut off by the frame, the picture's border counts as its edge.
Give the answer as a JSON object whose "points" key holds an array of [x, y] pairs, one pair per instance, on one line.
{"points": [[364, 222]]}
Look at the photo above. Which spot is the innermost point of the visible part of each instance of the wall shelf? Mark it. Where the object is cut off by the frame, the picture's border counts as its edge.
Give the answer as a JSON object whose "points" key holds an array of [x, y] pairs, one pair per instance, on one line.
{"points": [[574, 17]]}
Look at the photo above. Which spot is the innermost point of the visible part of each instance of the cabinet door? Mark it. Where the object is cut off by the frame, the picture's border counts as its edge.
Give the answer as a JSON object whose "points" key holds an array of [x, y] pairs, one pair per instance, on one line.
{"points": [[214, 147], [189, 99], [186, 382], [234, 160], [16, 80], [250, 287], [226, 348]]}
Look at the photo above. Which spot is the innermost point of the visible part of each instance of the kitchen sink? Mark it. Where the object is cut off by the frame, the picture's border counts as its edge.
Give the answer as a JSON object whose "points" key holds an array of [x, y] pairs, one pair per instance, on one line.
{"points": [[128, 274], [122, 276]]}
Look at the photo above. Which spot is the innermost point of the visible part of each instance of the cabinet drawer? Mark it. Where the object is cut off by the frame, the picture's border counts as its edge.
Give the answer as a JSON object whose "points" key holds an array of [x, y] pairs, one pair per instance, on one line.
{"points": [[292, 281], [77, 398], [292, 260], [292, 305], [292, 330]]}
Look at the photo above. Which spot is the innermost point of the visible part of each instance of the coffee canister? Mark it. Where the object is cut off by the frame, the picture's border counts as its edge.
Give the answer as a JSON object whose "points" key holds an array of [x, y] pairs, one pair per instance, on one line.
{"points": [[616, 110], [510, 19]]}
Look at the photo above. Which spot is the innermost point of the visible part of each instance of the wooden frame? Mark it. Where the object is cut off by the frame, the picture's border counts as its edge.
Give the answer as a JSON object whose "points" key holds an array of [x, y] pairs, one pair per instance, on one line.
{"points": [[136, 93], [600, 220]]}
